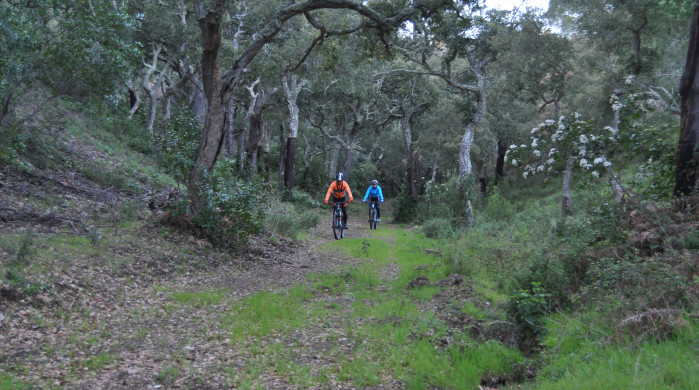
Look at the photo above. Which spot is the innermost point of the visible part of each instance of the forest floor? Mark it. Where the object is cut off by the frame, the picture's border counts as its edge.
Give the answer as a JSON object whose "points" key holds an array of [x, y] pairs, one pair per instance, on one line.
{"points": [[98, 294]]}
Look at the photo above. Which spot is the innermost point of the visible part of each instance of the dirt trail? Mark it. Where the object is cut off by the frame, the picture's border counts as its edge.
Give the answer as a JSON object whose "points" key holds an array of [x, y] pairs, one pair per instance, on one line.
{"points": [[97, 323]]}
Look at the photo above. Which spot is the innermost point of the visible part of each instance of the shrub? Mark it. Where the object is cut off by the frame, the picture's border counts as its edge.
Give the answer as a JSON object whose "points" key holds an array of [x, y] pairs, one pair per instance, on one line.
{"points": [[448, 200], [405, 209], [528, 309], [498, 208], [301, 198], [234, 208], [290, 224], [440, 228]]}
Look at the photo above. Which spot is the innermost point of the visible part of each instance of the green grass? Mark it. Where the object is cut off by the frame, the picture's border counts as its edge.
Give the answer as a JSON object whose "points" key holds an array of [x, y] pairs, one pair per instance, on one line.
{"points": [[202, 298], [265, 313], [578, 358], [98, 362], [8, 382], [382, 333]]}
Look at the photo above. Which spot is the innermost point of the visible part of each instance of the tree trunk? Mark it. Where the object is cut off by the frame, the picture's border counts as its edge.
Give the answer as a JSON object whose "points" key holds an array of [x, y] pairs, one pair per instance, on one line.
{"points": [[197, 102], [685, 174], [465, 167], [134, 102], [433, 178], [228, 131], [282, 157], [217, 90], [483, 178], [347, 168], [292, 88], [152, 109], [212, 134], [257, 129], [500, 163], [565, 198], [617, 188], [289, 165]]}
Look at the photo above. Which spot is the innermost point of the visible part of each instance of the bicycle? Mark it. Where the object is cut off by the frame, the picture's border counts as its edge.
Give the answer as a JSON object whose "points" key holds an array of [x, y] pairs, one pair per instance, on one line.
{"points": [[338, 226], [373, 215]]}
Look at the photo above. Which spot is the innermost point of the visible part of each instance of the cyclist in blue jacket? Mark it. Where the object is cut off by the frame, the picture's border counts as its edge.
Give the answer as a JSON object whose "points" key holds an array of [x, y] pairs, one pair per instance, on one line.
{"points": [[375, 195]]}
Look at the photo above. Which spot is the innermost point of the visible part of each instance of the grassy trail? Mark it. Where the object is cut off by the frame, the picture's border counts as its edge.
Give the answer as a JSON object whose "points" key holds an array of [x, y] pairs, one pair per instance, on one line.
{"points": [[393, 319]]}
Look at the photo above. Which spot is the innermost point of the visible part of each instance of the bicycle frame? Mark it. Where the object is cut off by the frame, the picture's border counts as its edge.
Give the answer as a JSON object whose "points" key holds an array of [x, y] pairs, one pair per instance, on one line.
{"points": [[373, 214]]}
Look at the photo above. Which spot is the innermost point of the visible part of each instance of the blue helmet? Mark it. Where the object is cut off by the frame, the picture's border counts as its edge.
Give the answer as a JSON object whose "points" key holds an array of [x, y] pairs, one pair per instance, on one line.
{"points": [[340, 176]]}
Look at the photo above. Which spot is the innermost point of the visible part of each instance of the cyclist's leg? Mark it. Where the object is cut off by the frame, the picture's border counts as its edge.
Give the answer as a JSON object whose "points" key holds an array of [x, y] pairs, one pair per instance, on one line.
{"points": [[343, 208], [378, 210], [344, 213]]}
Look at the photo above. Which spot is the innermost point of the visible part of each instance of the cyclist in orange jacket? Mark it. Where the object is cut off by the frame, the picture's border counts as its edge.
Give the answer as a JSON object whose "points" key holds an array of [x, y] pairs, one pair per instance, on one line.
{"points": [[337, 190]]}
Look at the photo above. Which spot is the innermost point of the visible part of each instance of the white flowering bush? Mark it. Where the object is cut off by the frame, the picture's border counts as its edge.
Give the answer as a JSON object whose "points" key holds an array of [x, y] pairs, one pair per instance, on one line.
{"points": [[552, 143]]}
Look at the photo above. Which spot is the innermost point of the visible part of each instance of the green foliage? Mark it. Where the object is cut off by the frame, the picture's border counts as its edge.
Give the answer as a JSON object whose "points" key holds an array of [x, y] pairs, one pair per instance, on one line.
{"points": [[305, 200], [607, 223], [439, 228], [234, 209], [655, 176], [404, 209], [131, 131], [447, 200], [69, 48], [180, 140], [528, 310], [498, 208], [292, 223]]}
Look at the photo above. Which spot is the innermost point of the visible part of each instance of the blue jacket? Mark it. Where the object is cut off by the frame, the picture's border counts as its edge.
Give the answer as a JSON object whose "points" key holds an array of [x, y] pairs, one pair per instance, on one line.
{"points": [[373, 192]]}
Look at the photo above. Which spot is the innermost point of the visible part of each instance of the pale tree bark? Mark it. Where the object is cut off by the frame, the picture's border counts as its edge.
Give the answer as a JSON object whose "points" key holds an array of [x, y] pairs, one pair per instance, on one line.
{"points": [[152, 88], [685, 173], [433, 178], [617, 188], [292, 88], [149, 88], [565, 192], [228, 131], [257, 128], [282, 157], [465, 166]]}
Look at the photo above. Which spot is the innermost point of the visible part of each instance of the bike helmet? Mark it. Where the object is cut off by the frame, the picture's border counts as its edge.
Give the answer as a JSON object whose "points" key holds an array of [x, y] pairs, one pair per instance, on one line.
{"points": [[374, 182], [339, 177]]}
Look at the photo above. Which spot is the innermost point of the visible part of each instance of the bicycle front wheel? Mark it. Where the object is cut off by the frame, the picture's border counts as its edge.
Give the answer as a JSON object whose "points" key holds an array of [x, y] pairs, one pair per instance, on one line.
{"points": [[372, 219], [337, 226]]}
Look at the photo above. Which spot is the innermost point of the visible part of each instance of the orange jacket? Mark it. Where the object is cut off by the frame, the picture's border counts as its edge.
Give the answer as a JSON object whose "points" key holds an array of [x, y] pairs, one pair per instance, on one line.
{"points": [[338, 191]]}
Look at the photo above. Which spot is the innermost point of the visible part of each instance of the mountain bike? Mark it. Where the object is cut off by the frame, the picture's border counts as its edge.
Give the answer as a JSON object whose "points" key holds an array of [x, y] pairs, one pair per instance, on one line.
{"points": [[338, 226], [373, 215]]}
